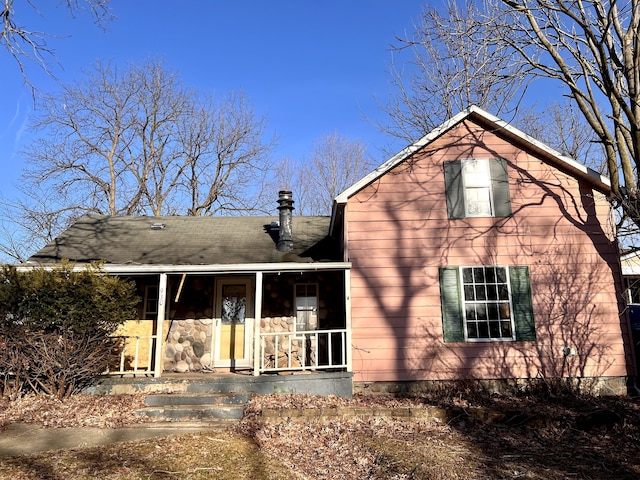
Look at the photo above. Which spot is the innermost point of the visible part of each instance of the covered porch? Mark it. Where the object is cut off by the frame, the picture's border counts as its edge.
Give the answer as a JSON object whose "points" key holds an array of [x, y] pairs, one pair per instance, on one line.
{"points": [[256, 319]]}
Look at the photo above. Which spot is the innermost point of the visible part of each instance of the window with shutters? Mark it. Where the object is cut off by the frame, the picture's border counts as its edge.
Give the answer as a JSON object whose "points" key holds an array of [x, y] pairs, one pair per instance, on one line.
{"points": [[486, 303], [477, 187]]}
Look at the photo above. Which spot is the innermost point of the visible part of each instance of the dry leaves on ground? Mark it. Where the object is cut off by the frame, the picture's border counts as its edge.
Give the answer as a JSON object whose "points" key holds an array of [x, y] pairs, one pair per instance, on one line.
{"points": [[538, 438], [106, 411]]}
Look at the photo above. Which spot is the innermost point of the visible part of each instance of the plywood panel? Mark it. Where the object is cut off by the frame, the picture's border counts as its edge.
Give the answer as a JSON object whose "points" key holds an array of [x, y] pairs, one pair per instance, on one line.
{"points": [[232, 341]]}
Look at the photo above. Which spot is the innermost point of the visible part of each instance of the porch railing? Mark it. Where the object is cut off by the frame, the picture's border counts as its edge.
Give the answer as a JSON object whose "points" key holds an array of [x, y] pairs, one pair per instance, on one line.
{"points": [[135, 355], [303, 350]]}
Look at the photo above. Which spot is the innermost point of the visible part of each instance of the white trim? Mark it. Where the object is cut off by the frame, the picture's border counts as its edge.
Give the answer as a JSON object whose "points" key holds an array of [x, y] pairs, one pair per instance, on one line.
{"points": [[210, 269], [348, 326], [438, 131], [630, 263], [162, 296], [249, 318], [256, 323]]}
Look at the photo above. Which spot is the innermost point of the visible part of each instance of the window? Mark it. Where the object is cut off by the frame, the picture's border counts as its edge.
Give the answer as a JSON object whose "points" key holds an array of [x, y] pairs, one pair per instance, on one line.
{"points": [[476, 180], [306, 306], [633, 290], [150, 302], [486, 303], [477, 187]]}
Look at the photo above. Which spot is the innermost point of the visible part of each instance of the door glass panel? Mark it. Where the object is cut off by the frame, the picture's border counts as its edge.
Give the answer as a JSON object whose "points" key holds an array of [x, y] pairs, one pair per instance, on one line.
{"points": [[234, 303], [232, 331]]}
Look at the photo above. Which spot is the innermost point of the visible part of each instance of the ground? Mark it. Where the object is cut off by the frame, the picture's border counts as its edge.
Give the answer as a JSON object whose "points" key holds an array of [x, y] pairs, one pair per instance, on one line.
{"points": [[530, 435]]}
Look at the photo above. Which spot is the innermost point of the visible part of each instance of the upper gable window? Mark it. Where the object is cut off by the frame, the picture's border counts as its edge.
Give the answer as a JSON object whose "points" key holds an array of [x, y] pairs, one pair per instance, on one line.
{"points": [[477, 187], [476, 179]]}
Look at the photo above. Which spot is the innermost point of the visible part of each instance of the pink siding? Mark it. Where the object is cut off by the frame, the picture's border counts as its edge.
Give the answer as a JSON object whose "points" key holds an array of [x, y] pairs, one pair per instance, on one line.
{"points": [[398, 235]]}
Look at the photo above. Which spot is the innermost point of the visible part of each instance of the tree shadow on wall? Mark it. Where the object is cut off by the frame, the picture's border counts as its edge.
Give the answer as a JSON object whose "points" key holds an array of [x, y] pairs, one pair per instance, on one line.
{"points": [[566, 278]]}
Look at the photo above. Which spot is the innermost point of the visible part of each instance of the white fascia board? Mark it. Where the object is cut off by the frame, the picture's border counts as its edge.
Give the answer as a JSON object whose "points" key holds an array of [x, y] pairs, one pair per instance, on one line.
{"points": [[630, 264], [631, 270], [570, 162], [210, 269], [631, 256], [401, 156]]}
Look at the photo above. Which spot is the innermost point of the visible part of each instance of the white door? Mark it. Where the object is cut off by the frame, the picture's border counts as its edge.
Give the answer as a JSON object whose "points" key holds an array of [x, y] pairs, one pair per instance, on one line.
{"points": [[234, 322]]}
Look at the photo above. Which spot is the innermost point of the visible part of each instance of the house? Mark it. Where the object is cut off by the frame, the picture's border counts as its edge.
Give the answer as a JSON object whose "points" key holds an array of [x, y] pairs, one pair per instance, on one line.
{"points": [[630, 261], [480, 253], [475, 253]]}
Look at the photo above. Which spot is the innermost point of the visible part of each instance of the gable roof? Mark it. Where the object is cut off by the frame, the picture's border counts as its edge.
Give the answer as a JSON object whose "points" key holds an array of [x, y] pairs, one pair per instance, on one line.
{"points": [[175, 240], [492, 122]]}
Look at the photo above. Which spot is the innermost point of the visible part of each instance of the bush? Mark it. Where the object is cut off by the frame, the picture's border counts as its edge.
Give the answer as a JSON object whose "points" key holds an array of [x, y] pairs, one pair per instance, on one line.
{"points": [[55, 327]]}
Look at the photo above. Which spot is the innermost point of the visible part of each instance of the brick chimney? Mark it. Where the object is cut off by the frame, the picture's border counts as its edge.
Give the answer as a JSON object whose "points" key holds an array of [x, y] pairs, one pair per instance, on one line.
{"points": [[285, 207]]}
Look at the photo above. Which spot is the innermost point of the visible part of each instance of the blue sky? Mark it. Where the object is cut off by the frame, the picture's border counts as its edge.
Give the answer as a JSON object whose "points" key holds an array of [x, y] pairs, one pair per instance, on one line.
{"points": [[310, 67]]}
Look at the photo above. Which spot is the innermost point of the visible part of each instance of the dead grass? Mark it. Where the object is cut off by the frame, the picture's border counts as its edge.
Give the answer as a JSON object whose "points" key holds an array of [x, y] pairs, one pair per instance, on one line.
{"points": [[221, 454], [536, 437]]}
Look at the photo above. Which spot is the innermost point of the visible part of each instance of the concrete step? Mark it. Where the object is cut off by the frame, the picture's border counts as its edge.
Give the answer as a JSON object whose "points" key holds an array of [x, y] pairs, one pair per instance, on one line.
{"points": [[190, 406], [182, 413], [212, 399]]}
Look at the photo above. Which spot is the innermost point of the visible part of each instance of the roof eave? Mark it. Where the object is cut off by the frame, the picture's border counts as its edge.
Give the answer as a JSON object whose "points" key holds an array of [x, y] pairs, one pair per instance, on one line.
{"points": [[139, 269]]}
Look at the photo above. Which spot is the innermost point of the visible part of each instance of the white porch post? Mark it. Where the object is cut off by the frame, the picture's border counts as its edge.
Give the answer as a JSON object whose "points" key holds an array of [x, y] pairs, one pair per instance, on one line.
{"points": [[162, 297], [256, 324], [347, 313]]}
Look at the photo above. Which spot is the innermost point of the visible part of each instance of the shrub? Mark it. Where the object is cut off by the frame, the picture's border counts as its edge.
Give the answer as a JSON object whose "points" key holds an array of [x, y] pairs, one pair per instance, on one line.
{"points": [[55, 327]]}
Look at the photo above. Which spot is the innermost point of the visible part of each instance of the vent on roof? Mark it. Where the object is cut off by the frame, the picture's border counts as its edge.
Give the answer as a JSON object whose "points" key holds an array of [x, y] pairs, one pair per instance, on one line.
{"points": [[157, 226]]}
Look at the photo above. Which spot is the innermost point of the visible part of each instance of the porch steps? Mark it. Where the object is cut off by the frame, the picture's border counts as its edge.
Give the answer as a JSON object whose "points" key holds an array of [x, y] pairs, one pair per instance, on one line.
{"points": [[195, 406], [218, 396]]}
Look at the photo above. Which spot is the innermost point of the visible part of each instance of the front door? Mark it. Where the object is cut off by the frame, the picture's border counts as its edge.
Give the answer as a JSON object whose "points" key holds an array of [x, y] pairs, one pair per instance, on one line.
{"points": [[234, 322]]}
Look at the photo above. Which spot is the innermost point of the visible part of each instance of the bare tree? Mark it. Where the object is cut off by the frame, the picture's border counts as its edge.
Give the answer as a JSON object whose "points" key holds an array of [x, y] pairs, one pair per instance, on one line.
{"points": [[590, 48], [137, 141], [25, 224], [334, 164], [24, 45], [561, 126], [227, 161], [451, 65]]}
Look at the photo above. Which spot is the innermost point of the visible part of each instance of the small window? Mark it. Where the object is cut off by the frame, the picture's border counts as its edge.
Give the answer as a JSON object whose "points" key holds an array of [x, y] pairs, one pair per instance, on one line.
{"points": [[306, 303], [150, 302], [633, 290]]}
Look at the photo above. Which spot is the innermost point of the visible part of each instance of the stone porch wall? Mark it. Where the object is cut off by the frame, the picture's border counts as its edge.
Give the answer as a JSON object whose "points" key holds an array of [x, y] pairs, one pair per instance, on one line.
{"points": [[188, 346], [280, 358]]}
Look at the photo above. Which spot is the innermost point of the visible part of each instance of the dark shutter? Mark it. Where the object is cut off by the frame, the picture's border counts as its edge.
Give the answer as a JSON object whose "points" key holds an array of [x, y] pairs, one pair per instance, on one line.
{"points": [[500, 187], [452, 323], [453, 188], [522, 305]]}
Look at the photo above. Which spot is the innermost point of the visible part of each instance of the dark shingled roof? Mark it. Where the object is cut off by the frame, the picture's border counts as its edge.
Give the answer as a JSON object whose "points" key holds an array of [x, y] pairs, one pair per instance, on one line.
{"points": [[187, 241]]}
